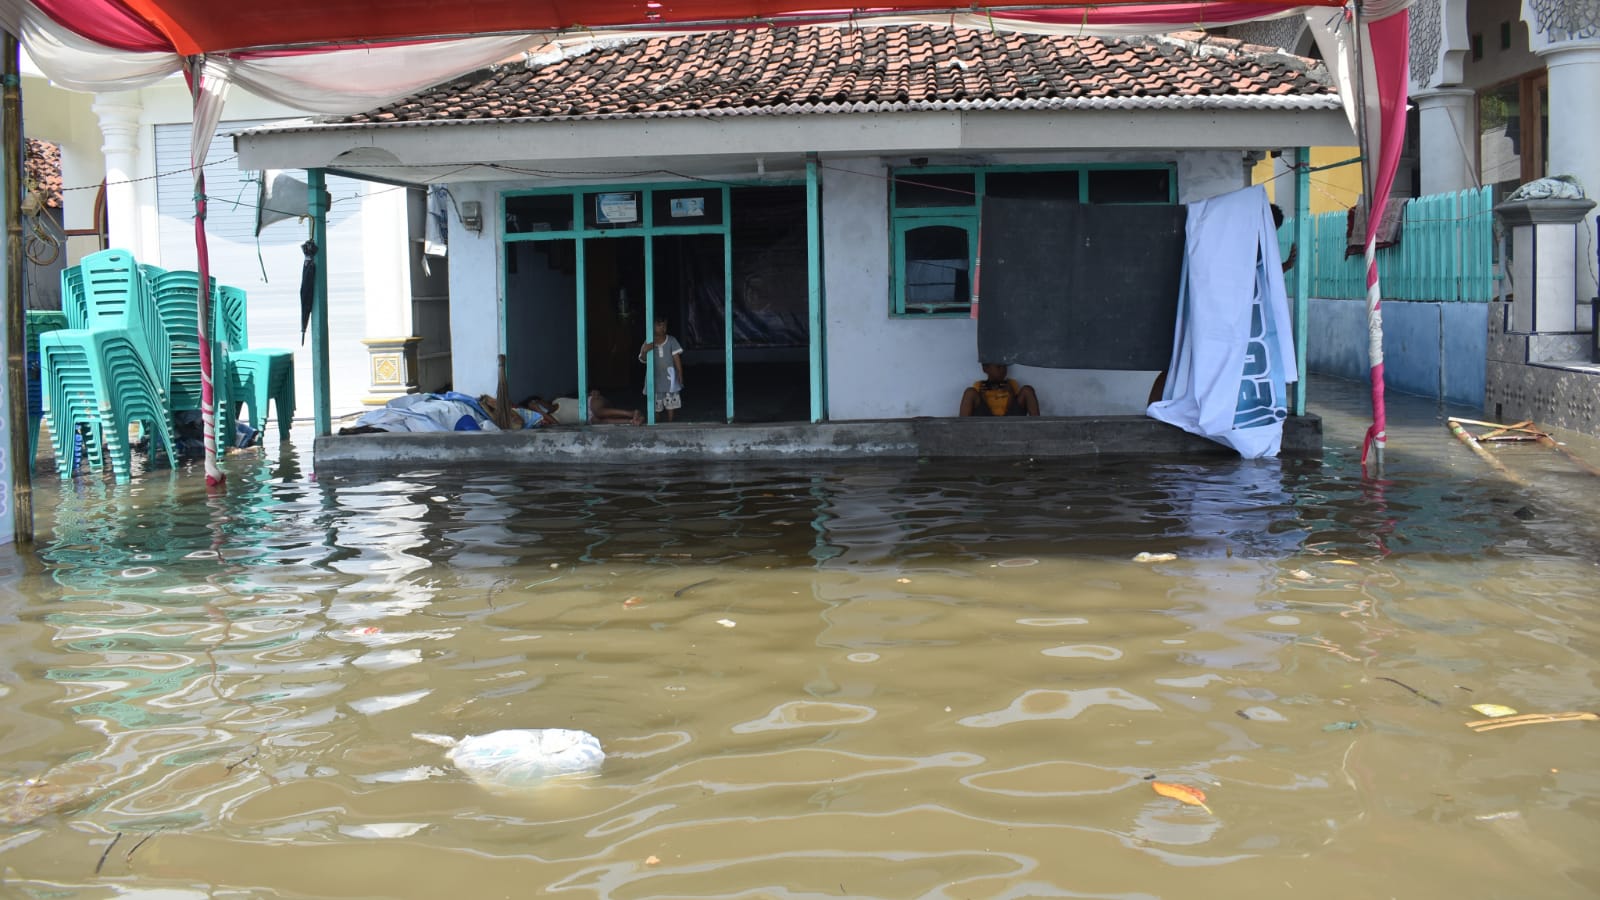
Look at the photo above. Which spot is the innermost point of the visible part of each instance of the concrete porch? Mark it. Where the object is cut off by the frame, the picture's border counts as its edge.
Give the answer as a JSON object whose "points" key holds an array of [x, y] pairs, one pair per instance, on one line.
{"points": [[1043, 437]]}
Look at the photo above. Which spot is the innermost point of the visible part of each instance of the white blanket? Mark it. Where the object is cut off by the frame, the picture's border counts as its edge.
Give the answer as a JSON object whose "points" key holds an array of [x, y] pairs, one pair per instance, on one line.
{"points": [[1233, 350]]}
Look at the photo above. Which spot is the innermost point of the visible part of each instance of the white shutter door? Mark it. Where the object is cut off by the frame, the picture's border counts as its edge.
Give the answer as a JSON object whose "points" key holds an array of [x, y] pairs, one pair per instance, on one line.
{"points": [[275, 299]]}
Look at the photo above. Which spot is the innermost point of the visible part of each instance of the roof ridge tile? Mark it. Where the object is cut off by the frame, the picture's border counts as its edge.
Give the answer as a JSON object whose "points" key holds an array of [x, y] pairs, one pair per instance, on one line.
{"points": [[881, 68]]}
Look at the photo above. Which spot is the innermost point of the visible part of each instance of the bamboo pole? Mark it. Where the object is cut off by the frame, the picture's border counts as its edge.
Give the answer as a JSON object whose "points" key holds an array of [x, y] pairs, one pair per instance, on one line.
{"points": [[1483, 725], [1525, 427], [1578, 461], [1486, 456], [16, 321], [1522, 426]]}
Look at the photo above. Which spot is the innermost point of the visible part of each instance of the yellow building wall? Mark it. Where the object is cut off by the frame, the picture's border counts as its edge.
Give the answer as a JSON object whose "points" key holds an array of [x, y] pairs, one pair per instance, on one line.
{"points": [[1331, 189]]}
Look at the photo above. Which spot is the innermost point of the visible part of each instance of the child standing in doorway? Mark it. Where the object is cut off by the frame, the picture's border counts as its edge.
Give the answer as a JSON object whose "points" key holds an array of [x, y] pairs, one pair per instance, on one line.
{"points": [[668, 369]]}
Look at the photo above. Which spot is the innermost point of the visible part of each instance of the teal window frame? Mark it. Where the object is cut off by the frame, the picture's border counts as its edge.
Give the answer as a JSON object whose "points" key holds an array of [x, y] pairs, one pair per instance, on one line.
{"points": [[903, 226], [966, 216]]}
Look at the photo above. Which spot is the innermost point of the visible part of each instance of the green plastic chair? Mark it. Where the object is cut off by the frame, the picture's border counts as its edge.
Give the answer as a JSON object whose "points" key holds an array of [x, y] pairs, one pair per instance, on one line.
{"points": [[73, 305], [100, 378], [110, 367], [38, 321], [255, 376], [115, 296], [174, 295]]}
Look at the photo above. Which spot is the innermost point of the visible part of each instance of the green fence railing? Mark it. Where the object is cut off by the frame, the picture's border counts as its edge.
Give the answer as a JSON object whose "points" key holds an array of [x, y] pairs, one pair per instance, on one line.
{"points": [[1445, 253]]}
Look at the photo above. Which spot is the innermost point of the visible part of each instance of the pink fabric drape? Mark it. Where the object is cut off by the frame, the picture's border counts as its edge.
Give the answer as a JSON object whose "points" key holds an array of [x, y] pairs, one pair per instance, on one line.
{"points": [[1387, 44]]}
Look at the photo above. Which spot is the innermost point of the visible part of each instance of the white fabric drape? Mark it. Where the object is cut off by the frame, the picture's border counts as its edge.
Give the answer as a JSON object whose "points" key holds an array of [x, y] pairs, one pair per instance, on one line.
{"points": [[1233, 346], [79, 64], [358, 79]]}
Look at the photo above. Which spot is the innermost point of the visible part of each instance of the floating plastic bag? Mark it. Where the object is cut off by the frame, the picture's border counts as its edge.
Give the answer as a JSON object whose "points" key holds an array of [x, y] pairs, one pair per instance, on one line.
{"points": [[522, 756]]}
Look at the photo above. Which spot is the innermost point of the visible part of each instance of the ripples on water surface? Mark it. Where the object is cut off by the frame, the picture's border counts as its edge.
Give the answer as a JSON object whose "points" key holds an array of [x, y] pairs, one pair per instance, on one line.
{"points": [[887, 680]]}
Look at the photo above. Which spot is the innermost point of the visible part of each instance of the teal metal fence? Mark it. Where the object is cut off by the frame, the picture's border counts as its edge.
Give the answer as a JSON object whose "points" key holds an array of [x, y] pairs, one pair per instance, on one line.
{"points": [[1445, 253]]}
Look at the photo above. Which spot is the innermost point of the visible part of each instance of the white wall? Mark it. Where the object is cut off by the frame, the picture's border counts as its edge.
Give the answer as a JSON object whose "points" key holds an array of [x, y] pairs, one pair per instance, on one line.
{"points": [[475, 302], [1484, 17]]}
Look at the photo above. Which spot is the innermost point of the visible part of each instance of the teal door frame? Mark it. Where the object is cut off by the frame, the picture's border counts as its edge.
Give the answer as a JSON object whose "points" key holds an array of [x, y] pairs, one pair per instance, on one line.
{"points": [[646, 229], [649, 229]]}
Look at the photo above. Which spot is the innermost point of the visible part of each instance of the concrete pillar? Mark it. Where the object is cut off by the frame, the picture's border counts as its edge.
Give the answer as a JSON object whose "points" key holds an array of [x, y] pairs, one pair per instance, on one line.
{"points": [[1284, 182], [386, 259], [119, 128], [1448, 146], [1574, 71]]}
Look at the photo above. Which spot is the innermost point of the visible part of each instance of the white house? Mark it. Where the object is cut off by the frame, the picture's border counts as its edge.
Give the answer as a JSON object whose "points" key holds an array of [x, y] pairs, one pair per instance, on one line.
{"points": [[829, 180]]}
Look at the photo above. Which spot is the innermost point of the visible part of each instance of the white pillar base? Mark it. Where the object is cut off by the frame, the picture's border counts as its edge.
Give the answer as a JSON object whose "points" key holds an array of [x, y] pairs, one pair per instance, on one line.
{"points": [[394, 368]]}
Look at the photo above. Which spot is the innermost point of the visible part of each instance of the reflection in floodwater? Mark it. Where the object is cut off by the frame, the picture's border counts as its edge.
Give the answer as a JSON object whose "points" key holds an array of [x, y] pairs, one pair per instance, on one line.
{"points": [[868, 679]]}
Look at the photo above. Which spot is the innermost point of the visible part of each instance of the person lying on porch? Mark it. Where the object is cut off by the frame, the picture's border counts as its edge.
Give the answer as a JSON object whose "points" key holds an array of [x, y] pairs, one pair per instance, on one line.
{"points": [[600, 413], [550, 413], [998, 395], [531, 416]]}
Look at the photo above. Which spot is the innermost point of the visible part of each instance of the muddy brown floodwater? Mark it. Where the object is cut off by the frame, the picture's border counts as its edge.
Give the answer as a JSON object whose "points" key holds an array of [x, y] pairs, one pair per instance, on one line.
{"points": [[882, 679]]}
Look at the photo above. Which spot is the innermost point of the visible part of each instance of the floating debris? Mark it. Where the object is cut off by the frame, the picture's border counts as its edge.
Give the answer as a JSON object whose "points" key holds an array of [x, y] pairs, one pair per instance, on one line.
{"points": [[688, 587], [521, 756], [1147, 557], [1531, 719], [1341, 726], [1493, 710], [1181, 793], [1410, 688], [106, 852], [22, 802]]}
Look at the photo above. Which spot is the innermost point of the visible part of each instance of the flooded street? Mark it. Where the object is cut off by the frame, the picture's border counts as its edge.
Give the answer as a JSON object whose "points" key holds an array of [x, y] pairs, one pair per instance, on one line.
{"points": [[888, 679]]}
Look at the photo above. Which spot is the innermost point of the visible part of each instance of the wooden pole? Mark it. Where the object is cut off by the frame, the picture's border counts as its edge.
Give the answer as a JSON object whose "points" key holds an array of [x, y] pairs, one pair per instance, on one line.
{"points": [[317, 201], [16, 348]]}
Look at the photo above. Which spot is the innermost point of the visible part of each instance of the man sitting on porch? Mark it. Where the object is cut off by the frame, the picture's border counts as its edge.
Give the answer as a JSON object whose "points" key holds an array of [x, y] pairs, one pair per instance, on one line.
{"points": [[998, 395]]}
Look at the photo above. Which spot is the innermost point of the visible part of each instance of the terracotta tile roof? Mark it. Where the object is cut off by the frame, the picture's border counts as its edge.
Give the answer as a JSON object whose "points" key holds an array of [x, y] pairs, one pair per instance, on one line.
{"points": [[872, 69], [42, 171]]}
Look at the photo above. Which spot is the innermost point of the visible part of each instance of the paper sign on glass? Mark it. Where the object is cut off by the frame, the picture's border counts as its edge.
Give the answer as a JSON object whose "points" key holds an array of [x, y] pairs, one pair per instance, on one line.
{"points": [[616, 209]]}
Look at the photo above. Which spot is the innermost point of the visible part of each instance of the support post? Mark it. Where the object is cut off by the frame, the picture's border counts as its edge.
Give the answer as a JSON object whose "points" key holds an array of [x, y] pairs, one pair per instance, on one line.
{"points": [[727, 294], [18, 460], [814, 286], [581, 288], [649, 322], [317, 203], [1302, 271]]}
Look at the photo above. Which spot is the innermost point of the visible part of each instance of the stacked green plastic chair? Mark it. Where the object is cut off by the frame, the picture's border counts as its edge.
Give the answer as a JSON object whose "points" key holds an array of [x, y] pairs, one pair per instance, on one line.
{"points": [[114, 296], [255, 375], [38, 322], [110, 367], [174, 294], [72, 301], [99, 377]]}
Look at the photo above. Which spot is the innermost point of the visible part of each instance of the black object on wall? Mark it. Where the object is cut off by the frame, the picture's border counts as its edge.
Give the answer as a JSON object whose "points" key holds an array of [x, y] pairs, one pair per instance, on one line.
{"points": [[1074, 286]]}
